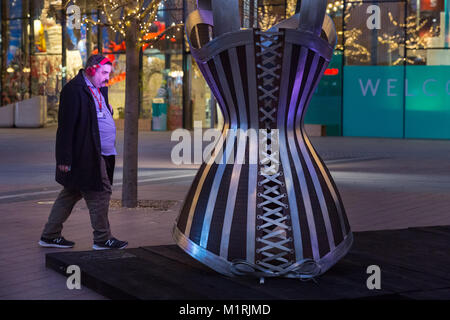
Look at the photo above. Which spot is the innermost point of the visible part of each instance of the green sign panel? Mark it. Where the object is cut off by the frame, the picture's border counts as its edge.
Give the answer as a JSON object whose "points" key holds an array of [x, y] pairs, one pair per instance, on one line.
{"points": [[427, 113], [380, 102], [373, 101]]}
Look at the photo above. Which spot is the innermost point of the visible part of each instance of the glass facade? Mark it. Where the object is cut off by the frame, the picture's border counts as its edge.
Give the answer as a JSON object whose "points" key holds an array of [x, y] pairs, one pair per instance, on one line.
{"points": [[388, 76], [396, 80]]}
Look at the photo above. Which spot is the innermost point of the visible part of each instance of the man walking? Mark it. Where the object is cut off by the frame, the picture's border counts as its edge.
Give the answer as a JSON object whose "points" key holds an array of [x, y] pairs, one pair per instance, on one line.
{"points": [[85, 155]]}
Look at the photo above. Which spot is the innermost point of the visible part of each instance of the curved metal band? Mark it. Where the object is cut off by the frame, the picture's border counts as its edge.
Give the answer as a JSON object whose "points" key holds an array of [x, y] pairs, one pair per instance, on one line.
{"points": [[226, 267], [330, 30], [224, 17], [328, 25], [195, 18], [225, 14], [226, 41], [294, 22], [245, 37], [309, 41], [204, 4], [312, 13]]}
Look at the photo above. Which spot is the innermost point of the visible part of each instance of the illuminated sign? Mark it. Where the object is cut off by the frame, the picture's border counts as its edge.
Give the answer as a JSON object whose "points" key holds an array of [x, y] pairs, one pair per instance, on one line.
{"points": [[432, 5], [331, 72]]}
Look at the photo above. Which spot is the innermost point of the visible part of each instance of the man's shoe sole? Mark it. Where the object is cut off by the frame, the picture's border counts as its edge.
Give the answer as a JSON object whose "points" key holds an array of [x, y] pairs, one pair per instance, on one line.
{"points": [[96, 247], [53, 245]]}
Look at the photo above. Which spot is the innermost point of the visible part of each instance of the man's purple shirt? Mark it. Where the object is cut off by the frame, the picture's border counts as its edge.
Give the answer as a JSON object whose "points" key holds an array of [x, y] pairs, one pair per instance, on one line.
{"points": [[106, 125]]}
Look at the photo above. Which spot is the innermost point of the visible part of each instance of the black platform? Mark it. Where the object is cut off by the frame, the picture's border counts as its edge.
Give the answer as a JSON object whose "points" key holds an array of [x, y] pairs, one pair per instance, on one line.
{"points": [[415, 264]]}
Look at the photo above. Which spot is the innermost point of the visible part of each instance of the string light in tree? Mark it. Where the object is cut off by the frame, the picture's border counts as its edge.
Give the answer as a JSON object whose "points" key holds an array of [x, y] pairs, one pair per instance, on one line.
{"points": [[353, 49], [119, 15], [413, 40]]}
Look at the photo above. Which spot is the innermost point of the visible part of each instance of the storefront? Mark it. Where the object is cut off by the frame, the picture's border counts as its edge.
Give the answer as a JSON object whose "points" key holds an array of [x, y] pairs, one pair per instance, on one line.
{"points": [[389, 76]]}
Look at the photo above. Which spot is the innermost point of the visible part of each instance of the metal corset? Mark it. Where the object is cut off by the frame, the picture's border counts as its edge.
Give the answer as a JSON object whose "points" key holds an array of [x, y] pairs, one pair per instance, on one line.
{"points": [[281, 215]]}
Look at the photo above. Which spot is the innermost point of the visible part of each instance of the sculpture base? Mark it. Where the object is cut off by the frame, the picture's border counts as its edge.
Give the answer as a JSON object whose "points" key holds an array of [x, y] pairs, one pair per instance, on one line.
{"points": [[414, 265], [225, 267]]}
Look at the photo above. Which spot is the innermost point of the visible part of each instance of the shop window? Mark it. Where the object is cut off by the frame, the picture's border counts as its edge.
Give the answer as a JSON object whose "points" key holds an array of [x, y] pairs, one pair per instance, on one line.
{"points": [[113, 47], [80, 44], [162, 94], [384, 46], [46, 56], [170, 4], [271, 12], [427, 99], [428, 33], [77, 48], [172, 40], [202, 102], [335, 9], [162, 74], [16, 68], [15, 9], [117, 80]]}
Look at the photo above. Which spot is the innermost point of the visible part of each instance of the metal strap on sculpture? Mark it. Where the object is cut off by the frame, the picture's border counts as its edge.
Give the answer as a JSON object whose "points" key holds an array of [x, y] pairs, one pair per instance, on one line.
{"points": [[263, 206]]}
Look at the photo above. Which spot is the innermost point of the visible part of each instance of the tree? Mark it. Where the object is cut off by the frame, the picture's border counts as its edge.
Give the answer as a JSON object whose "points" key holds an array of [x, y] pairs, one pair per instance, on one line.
{"points": [[133, 19], [417, 37]]}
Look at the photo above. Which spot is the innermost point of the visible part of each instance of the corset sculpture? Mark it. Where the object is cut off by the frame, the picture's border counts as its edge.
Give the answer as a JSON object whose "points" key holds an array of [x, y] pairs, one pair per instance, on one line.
{"points": [[277, 213]]}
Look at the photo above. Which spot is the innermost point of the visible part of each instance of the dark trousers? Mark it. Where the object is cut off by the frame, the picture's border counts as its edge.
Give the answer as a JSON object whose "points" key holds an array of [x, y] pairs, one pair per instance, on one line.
{"points": [[97, 203]]}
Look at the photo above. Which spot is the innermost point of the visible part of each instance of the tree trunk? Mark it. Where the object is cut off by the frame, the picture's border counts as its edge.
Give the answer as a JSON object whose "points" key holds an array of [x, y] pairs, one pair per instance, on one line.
{"points": [[130, 145]]}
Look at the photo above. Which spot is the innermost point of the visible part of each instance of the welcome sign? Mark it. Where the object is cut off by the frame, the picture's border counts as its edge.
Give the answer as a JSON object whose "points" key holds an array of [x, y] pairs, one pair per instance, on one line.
{"points": [[380, 102]]}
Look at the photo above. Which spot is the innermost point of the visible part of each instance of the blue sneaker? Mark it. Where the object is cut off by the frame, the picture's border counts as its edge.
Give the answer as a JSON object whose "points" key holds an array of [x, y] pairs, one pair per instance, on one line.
{"points": [[59, 242], [112, 243]]}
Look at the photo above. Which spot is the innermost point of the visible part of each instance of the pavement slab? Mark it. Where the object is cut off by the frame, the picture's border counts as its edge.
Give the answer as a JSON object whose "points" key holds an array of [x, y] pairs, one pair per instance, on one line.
{"points": [[385, 184]]}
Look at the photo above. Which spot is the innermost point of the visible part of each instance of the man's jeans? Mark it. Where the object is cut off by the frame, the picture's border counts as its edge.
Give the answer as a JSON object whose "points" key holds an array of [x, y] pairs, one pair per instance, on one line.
{"points": [[97, 203]]}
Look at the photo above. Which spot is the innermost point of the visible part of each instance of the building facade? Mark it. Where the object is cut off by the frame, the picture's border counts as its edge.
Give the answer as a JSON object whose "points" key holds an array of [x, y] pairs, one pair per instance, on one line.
{"points": [[389, 76]]}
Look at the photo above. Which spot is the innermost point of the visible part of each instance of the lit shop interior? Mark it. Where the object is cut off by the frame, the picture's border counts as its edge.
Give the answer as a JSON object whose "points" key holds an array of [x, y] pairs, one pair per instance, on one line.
{"points": [[389, 76]]}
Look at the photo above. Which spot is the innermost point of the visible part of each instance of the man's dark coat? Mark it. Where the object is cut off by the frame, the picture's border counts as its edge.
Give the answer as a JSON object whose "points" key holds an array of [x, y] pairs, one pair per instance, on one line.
{"points": [[78, 137]]}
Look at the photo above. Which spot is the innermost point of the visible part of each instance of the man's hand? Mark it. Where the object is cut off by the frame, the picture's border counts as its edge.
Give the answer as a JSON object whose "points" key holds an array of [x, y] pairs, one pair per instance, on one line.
{"points": [[64, 168]]}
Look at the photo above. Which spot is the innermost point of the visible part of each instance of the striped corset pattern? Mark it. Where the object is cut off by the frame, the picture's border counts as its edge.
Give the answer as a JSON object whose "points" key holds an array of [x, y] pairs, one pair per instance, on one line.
{"points": [[267, 205]]}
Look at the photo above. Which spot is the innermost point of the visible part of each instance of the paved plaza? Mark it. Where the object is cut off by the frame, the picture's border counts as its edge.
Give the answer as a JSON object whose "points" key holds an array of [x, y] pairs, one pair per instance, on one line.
{"points": [[384, 184]]}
